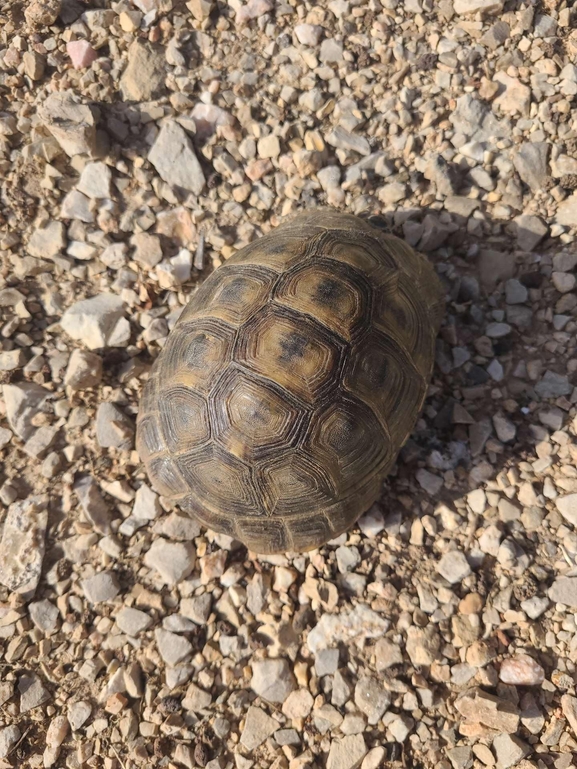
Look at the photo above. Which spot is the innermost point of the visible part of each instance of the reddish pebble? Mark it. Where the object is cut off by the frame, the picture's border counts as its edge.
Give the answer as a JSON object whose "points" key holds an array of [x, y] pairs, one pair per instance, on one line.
{"points": [[81, 53], [521, 670]]}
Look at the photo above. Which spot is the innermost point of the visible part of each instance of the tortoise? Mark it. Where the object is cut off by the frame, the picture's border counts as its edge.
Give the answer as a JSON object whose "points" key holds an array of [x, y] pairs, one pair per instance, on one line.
{"points": [[291, 380]]}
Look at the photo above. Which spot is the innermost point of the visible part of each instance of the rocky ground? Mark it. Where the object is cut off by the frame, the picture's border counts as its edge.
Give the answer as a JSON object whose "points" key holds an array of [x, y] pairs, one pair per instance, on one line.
{"points": [[141, 144]]}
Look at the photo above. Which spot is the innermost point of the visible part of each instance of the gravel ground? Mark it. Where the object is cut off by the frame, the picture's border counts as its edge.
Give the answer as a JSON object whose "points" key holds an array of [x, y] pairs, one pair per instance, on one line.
{"points": [[141, 144]]}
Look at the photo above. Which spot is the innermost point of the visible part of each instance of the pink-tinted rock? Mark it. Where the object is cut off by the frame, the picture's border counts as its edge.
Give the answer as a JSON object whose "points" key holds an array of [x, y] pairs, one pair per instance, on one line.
{"points": [[521, 670], [81, 53], [252, 10], [208, 117]]}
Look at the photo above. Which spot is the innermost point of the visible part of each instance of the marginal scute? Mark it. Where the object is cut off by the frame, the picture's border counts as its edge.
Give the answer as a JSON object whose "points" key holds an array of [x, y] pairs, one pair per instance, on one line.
{"points": [[291, 380]]}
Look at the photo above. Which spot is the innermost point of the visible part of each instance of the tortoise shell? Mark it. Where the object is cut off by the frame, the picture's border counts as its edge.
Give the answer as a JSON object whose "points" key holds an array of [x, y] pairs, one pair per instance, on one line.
{"points": [[291, 381]]}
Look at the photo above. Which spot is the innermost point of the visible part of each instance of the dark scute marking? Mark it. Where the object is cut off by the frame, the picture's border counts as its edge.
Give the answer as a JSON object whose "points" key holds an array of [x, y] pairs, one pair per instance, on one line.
{"points": [[293, 346], [328, 291], [196, 353], [345, 433], [233, 290], [378, 372]]}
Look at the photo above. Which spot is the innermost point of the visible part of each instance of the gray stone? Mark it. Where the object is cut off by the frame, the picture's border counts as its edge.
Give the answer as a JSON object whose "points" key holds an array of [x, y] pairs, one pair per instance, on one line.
{"points": [[347, 752], [505, 429], [11, 360], [197, 608], [97, 322], [146, 505], [567, 506], [326, 662], [70, 122], [173, 561], [77, 206], [564, 262], [496, 35], [133, 621], [177, 526], [173, 156], [423, 644], [33, 693], [473, 118], [173, 648], [497, 330], [47, 241], [9, 737], [553, 385], [357, 624], [429, 482], [23, 402], [272, 679], [95, 181], [564, 590], [345, 140], [531, 164], [22, 545], [143, 78], [95, 509], [147, 249], [84, 370], [258, 727], [38, 444], [78, 713], [101, 587], [509, 750], [515, 292], [113, 428], [44, 615], [371, 698], [331, 51], [530, 231], [453, 566]]}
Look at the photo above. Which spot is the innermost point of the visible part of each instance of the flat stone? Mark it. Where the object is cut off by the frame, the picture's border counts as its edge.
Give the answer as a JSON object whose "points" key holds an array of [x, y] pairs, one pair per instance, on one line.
{"points": [[272, 679], [23, 402], [173, 648], [33, 693], [467, 7], [567, 506], [258, 727], [70, 122], [44, 615], [563, 281], [553, 385], [531, 163], [113, 428], [497, 330], [9, 737], [95, 181], [515, 292], [515, 98], [22, 545], [78, 207], [268, 146], [423, 644], [357, 624], [47, 241], [143, 78], [173, 156], [345, 140], [308, 34], [530, 231], [567, 211], [97, 322], [133, 621], [371, 698], [509, 750], [477, 706], [197, 608], [347, 752], [454, 567], [196, 699], [429, 482], [84, 370], [173, 561], [101, 587], [78, 713], [564, 590], [298, 704], [147, 249]]}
